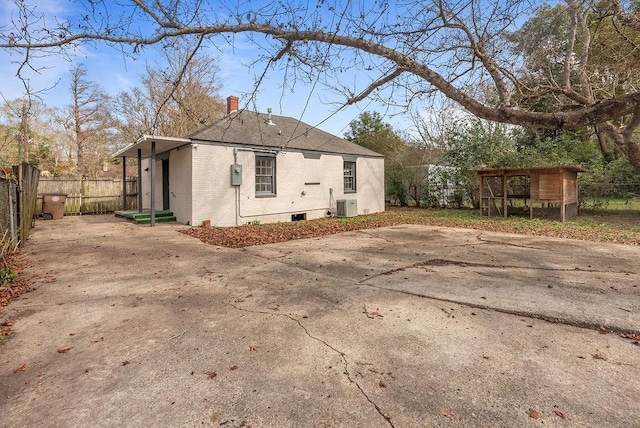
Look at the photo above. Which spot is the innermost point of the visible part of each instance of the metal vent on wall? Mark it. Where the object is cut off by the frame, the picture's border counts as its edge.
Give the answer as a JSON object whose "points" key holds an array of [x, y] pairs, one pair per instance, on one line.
{"points": [[347, 207]]}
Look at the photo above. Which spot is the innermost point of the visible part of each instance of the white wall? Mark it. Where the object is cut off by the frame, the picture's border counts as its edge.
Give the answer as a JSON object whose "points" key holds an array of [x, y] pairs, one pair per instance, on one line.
{"points": [[369, 185], [180, 190], [215, 199], [146, 183]]}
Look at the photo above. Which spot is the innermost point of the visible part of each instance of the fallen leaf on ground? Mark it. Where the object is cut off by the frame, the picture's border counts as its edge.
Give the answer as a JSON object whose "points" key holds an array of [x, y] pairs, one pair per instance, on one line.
{"points": [[212, 375], [64, 350], [372, 314], [22, 368], [630, 336], [532, 413], [559, 414], [232, 368], [599, 356]]}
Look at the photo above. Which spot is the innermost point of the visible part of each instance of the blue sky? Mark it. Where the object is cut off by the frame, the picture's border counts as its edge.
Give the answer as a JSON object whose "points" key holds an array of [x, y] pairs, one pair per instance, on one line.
{"points": [[107, 66]]}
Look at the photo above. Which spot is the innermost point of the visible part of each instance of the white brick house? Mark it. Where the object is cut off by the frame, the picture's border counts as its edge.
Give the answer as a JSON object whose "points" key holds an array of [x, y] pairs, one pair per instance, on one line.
{"points": [[250, 167]]}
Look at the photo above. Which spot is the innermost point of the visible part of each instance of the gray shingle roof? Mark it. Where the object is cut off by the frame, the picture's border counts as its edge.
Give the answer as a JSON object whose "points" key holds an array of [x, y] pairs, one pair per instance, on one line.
{"points": [[253, 129]]}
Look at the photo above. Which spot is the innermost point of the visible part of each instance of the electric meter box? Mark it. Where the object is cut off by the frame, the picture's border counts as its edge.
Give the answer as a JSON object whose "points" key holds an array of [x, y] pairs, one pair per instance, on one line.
{"points": [[236, 175]]}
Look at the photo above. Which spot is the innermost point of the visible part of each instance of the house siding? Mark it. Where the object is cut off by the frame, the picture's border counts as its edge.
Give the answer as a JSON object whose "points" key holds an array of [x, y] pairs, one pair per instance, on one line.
{"points": [[369, 185], [180, 176], [146, 183], [213, 196], [215, 199]]}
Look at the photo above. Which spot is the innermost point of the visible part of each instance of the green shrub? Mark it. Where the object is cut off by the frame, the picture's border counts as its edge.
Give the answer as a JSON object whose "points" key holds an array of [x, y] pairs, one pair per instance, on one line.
{"points": [[7, 275]]}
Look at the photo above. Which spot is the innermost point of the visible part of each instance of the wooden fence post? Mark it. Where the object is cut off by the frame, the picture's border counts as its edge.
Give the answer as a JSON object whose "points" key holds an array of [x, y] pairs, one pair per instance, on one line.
{"points": [[84, 192]]}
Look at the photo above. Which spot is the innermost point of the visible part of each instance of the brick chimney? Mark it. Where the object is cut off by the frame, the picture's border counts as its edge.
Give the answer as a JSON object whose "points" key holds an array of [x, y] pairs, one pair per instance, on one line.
{"points": [[232, 104]]}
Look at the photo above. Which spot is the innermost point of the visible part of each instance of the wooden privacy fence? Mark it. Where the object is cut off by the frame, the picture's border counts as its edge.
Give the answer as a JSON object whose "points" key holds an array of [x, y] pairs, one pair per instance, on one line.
{"points": [[9, 209], [18, 190], [90, 196]]}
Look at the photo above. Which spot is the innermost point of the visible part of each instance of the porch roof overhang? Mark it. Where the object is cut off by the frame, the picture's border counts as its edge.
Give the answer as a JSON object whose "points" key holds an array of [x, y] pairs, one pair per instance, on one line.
{"points": [[163, 144]]}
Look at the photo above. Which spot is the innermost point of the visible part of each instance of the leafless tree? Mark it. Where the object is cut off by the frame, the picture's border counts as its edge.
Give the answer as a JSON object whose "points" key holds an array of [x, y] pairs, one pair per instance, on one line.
{"points": [[406, 51], [88, 122], [178, 95]]}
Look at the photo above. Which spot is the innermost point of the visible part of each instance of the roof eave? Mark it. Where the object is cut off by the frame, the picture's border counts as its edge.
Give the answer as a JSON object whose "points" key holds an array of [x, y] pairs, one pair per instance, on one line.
{"points": [[144, 143]]}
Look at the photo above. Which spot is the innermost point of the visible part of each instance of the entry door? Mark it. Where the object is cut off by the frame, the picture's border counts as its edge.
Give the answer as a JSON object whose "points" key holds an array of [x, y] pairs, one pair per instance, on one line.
{"points": [[165, 184]]}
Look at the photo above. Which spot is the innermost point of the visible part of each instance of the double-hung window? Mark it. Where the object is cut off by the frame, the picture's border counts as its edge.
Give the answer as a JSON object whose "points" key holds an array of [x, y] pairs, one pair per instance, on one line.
{"points": [[349, 169], [265, 175]]}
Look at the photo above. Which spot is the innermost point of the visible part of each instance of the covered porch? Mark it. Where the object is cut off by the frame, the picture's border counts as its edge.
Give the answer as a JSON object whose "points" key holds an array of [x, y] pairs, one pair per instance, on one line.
{"points": [[150, 147]]}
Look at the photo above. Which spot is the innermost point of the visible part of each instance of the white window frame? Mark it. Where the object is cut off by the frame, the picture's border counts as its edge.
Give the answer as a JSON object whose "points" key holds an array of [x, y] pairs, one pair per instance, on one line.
{"points": [[349, 175], [265, 178]]}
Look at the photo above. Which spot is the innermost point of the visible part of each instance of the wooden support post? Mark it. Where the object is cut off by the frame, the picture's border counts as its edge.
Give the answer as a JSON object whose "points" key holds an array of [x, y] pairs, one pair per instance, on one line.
{"points": [[504, 195], [139, 180], [153, 183], [124, 183], [563, 207], [481, 193]]}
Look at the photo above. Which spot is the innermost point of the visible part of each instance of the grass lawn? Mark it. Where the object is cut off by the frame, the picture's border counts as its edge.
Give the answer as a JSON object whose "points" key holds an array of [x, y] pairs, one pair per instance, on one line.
{"points": [[619, 226]]}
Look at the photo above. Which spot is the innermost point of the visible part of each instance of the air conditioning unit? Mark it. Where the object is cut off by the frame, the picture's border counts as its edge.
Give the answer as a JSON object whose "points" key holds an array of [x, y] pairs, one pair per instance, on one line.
{"points": [[347, 207]]}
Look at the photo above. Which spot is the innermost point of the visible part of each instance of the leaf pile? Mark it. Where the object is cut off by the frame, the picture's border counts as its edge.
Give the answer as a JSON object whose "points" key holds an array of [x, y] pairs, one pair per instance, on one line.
{"points": [[622, 229], [18, 285], [248, 235]]}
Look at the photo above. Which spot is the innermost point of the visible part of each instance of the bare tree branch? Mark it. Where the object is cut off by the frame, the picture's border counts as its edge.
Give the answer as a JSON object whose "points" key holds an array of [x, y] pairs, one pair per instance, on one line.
{"points": [[375, 85], [459, 49]]}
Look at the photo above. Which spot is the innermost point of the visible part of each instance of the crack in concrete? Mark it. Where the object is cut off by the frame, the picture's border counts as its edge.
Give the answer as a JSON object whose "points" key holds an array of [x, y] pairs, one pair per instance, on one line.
{"points": [[366, 232], [337, 351], [534, 315], [480, 238], [303, 268], [445, 262]]}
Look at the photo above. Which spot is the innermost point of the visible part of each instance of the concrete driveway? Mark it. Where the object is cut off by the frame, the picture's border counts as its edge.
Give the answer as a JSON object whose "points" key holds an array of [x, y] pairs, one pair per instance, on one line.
{"points": [[402, 326]]}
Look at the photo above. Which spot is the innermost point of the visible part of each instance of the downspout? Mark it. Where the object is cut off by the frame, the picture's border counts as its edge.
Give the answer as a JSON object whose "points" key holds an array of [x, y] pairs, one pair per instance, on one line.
{"points": [[237, 188]]}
